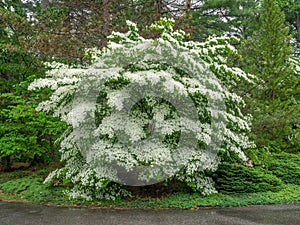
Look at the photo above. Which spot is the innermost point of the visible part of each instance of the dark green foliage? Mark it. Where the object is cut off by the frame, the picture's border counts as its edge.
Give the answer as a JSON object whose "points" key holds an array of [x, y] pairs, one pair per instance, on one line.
{"points": [[16, 64], [212, 18], [237, 178], [285, 166], [186, 201], [25, 135], [291, 9], [274, 100], [14, 68]]}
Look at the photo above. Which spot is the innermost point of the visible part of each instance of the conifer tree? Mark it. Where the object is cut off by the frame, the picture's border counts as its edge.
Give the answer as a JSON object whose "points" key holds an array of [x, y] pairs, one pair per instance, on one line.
{"points": [[272, 102]]}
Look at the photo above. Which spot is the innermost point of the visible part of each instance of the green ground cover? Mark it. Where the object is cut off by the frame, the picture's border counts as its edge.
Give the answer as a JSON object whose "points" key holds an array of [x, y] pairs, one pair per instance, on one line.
{"points": [[237, 185]]}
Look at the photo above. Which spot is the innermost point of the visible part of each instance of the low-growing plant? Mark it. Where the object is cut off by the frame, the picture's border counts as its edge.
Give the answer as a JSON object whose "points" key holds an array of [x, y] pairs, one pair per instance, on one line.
{"points": [[283, 165], [31, 188], [237, 178]]}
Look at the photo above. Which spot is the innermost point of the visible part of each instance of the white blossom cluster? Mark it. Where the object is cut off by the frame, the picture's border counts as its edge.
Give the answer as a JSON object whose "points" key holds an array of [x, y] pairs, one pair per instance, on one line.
{"points": [[144, 120]]}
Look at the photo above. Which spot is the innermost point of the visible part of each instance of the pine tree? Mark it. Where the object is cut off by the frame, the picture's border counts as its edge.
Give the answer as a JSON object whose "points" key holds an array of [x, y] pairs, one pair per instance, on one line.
{"points": [[272, 102], [218, 17]]}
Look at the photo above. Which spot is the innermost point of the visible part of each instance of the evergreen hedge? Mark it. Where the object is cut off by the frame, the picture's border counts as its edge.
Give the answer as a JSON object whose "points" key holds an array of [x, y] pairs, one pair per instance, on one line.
{"points": [[237, 178]]}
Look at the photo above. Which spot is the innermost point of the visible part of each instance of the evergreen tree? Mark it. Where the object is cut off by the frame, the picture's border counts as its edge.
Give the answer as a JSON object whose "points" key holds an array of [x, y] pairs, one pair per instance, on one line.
{"points": [[292, 13], [272, 102], [219, 17], [25, 136]]}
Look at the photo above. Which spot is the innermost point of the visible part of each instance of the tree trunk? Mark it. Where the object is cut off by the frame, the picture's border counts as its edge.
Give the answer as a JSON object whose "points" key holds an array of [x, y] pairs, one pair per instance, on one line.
{"points": [[159, 8], [6, 162], [51, 146], [188, 5], [298, 25], [106, 22]]}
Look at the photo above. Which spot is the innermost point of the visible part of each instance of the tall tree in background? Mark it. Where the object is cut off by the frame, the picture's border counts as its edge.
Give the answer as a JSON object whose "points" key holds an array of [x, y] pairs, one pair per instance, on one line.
{"points": [[218, 17], [272, 103], [15, 61], [292, 13], [65, 28], [25, 135]]}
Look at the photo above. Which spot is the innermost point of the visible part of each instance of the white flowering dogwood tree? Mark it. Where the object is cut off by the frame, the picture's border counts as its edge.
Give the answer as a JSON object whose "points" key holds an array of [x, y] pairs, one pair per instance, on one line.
{"points": [[146, 110]]}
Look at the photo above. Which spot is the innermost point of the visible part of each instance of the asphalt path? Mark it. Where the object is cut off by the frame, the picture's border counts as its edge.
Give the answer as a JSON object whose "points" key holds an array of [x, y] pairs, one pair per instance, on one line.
{"points": [[13, 213]]}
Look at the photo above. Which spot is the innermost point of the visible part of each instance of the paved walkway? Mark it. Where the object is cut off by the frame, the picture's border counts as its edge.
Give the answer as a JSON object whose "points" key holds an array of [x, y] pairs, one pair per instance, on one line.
{"points": [[28, 214]]}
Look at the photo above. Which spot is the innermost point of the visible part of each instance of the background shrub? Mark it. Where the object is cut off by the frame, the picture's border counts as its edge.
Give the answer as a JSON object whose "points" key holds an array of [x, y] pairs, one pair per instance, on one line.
{"points": [[285, 166], [237, 178]]}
